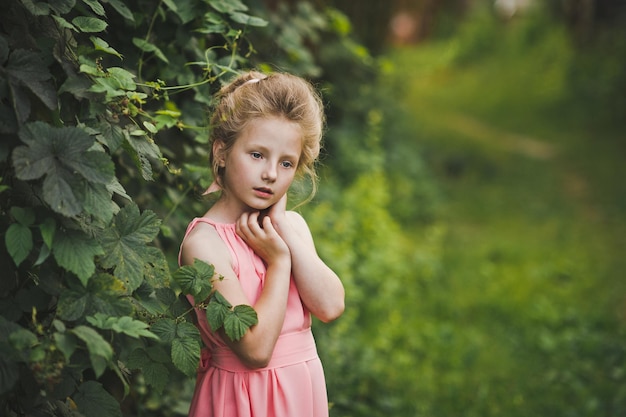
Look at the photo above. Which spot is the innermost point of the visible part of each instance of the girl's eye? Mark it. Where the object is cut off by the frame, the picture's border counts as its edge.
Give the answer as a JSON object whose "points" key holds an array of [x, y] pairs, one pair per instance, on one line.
{"points": [[256, 155], [286, 164]]}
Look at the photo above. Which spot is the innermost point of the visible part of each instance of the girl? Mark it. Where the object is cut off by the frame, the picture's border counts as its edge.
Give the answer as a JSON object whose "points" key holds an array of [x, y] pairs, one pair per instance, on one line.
{"points": [[265, 131]]}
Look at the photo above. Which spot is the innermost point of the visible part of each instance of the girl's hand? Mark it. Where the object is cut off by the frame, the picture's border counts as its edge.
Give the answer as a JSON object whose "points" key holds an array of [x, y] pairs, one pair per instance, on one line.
{"points": [[262, 237]]}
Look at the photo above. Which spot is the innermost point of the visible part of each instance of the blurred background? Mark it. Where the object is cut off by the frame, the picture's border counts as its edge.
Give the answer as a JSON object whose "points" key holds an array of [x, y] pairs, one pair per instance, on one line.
{"points": [[479, 214]]}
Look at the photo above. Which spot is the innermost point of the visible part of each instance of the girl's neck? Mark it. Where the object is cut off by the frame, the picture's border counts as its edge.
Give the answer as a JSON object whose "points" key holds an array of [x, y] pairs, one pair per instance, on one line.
{"points": [[224, 211]]}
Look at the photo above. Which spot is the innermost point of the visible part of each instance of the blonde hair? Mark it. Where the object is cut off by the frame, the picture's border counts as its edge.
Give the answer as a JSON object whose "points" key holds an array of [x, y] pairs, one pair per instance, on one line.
{"points": [[255, 95]]}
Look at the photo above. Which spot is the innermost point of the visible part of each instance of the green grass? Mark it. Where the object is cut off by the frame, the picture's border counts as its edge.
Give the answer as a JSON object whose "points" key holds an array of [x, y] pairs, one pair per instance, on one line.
{"points": [[532, 282]]}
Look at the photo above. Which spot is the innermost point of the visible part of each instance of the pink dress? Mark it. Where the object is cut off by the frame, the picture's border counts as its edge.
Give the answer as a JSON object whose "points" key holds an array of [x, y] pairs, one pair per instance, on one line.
{"points": [[291, 385]]}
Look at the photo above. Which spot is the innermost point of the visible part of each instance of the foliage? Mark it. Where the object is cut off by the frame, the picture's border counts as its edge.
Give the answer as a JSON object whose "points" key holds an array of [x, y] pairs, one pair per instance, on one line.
{"points": [[103, 122], [86, 294]]}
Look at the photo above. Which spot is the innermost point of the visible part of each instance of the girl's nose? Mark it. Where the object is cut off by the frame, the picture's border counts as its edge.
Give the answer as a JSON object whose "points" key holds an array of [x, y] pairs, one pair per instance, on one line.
{"points": [[269, 173]]}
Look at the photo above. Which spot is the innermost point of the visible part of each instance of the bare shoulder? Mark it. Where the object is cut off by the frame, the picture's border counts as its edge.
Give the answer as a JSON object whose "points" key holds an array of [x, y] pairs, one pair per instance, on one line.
{"points": [[300, 225], [297, 221], [204, 243]]}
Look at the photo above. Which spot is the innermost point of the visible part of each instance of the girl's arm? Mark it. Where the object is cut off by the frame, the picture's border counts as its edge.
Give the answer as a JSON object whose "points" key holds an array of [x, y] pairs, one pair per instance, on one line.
{"points": [[255, 348], [320, 288]]}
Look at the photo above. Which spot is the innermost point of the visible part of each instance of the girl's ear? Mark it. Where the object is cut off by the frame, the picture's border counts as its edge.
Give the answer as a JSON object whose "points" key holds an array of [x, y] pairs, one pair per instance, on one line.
{"points": [[218, 153]]}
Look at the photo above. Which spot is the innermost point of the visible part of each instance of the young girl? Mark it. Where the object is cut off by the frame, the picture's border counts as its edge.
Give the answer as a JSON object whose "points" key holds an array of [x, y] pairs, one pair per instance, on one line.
{"points": [[266, 129]]}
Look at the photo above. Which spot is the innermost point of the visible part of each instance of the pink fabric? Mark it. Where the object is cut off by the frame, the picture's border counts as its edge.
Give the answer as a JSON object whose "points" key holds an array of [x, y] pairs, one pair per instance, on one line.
{"points": [[292, 384]]}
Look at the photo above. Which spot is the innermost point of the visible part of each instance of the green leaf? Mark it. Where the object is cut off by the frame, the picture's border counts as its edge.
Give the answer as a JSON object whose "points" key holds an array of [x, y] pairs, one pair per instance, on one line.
{"points": [[66, 343], [126, 325], [23, 339], [122, 9], [196, 279], [217, 310], [97, 202], [142, 150], [89, 24], [95, 6], [75, 252], [36, 8], [19, 242], [25, 66], [64, 24], [48, 229], [165, 329], [146, 46], [186, 10], [239, 320], [62, 6], [103, 46], [245, 19], [228, 6], [100, 351], [186, 350], [60, 154], [103, 294], [24, 216], [154, 370], [94, 401], [72, 305], [124, 244], [156, 375]]}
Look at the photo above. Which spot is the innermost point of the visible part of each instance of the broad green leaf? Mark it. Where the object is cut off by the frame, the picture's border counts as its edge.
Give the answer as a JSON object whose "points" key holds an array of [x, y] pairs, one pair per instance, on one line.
{"points": [[124, 79], [64, 24], [89, 24], [60, 154], [9, 374], [165, 329], [122, 9], [100, 351], [66, 343], [248, 20], [185, 9], [146, 46], [228, 6], [24, 216], [239, 320], [72, 305], [154, 370], [186, 354], [94, 341], [127, 325], [95, 6], [138, 359], [62, 6], [36, 8], [142, 150], [103, 294], [94, 401], [125, 242], [75, 252], [25, 66], [102, 45], [47, 229], [98, 203], [23, 339], [19, 242], [156, 375], [195, 279], [217, 310]]}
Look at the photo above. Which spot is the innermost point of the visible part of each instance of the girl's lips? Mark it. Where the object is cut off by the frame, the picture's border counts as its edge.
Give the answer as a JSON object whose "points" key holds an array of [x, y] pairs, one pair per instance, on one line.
{"points": [[264, 192]]}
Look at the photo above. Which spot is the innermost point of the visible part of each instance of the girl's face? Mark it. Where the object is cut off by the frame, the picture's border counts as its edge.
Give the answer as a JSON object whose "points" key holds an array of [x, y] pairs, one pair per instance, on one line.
{"points": [[261, 165]]}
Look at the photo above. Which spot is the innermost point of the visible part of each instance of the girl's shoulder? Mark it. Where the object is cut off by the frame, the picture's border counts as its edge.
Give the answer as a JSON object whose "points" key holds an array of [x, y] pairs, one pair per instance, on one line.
{"points": [[204, 242]]}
